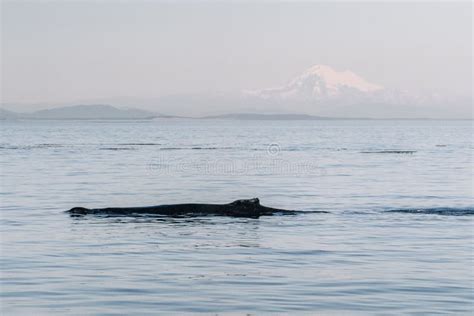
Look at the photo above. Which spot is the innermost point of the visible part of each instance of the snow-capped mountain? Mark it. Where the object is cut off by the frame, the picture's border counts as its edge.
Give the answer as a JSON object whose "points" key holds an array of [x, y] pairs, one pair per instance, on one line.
{"points": [[322, 90], [320, 82]]}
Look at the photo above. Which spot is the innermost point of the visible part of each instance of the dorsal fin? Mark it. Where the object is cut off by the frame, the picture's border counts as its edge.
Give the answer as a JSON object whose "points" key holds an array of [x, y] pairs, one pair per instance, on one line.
{"points": [[255, 201], [247, 201]]}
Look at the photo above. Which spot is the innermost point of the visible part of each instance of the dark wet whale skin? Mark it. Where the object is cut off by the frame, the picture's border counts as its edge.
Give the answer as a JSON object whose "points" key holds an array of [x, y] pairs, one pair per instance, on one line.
{"points": [[239, 208]]}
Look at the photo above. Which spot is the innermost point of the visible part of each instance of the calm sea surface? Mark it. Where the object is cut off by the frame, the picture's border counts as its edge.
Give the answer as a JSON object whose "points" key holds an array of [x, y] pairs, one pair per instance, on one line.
{"points": [[398, 238]]}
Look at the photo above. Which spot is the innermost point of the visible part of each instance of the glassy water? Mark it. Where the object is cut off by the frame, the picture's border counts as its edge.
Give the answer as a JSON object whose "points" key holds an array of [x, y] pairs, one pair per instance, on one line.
{"points": [[397, 238]]}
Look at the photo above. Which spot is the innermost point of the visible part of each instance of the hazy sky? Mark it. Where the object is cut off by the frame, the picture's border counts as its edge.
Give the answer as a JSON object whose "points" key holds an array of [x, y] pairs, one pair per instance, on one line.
{"points": [[66, 51]]}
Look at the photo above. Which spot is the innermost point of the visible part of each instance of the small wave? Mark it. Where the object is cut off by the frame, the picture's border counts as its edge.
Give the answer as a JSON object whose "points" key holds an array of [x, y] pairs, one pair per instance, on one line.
{"points": [[389, 152], [448, 211], [117, 148], [196, 148], [29, 147], [112, 146], [49, 145], [139, 144]]}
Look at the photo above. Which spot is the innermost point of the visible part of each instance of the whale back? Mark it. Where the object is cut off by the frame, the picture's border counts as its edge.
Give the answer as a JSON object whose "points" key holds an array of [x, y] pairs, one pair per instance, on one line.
{"points": [[239, 208]]}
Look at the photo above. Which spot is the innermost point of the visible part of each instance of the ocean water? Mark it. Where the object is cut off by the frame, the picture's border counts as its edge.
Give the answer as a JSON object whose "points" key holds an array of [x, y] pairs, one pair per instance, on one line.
{"points": [[397, 238]]}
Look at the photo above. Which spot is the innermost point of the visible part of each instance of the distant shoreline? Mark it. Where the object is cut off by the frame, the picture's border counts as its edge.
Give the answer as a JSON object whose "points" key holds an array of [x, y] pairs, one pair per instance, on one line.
{"points": [[233, 119], [111, 113]]}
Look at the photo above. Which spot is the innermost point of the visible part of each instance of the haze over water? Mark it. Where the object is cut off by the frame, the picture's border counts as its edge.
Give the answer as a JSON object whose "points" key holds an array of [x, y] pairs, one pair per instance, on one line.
{"points": [[398, 238]]}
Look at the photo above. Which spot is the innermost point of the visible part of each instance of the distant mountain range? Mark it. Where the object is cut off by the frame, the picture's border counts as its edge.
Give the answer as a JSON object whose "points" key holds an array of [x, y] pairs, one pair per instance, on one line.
{"points": [[108, 112], [81, 112], [320, 92]]}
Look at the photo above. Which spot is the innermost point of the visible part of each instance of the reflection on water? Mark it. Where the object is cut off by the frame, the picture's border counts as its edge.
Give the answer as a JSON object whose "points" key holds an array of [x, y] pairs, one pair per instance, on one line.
{"points": [[167, 220]]}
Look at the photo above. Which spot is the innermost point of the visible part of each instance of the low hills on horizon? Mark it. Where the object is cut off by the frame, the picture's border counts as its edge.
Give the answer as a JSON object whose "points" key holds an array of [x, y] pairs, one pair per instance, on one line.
{"points": [[108, 112], [80, 112]]}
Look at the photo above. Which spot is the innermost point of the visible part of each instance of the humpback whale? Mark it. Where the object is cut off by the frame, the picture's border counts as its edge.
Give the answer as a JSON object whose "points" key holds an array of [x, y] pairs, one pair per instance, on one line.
{"points": [[241, 208]]}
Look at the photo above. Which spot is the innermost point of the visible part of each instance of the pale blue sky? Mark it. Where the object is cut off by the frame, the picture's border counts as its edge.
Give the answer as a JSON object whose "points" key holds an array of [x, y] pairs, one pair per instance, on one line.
{"points": [[66, 51]]}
